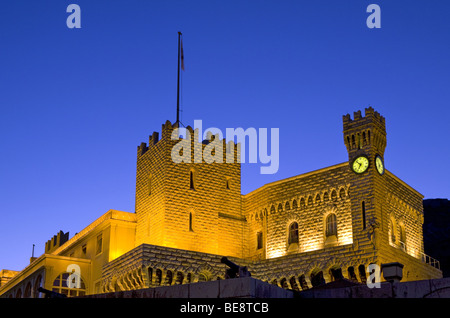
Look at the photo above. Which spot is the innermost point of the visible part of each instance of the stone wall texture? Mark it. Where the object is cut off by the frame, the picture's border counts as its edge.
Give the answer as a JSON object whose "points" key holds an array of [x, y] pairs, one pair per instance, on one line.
{"points": [[294, 233]]}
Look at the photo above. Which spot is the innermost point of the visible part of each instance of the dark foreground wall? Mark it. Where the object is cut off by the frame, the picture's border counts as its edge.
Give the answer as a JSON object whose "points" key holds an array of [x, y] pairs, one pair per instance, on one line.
{"points": [[252, 288], [226, 288]]}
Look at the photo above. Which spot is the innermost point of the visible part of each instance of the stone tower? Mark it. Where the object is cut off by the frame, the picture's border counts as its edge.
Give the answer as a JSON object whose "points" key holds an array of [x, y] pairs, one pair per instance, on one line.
{"points": [[192, 204], [365, 139]]}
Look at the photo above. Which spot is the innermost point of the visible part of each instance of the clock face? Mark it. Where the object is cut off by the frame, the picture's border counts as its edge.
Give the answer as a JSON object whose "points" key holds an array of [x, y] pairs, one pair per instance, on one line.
{"points": [[360, 164], [379, 164]]}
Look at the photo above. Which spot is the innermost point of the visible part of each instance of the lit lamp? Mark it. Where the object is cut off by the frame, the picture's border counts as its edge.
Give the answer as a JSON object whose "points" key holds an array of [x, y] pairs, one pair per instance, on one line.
{"points": [[392, 272]]}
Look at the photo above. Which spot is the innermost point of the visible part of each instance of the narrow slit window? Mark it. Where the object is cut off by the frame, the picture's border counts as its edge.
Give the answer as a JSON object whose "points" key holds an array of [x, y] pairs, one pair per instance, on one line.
{"points": [[191, 222], [363, 210], [191, 180]]}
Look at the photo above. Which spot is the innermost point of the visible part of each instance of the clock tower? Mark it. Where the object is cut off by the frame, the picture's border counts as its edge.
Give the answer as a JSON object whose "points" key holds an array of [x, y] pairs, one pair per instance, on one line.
{"points": [[365, 135], [365, 139]]}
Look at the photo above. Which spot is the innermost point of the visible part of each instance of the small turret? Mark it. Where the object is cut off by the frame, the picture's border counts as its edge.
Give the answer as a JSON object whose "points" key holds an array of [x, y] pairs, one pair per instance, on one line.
{"points": [[364, 133], [56, 241]]}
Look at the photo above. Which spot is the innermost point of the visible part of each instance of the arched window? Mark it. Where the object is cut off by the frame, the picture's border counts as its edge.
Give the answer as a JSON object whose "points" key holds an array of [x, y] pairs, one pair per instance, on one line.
{"points": [[402, 234], [280, 207], [272, 209], [302, 203], [317, 198], [310, 201], [294, 284], [204, 276], [60, 285], [287, 206], [402, 237], [180, 278], [37, 284], [392, 230], [27, 293], [336, 273], [362, 273], [283, 283], [150, 275], [333, 195], [342, 193], [293, 233], [302, 281], [317, 278], [294, 204], [169, 278], [331, 225], [352, 274], [158, 277], [325, 197]]}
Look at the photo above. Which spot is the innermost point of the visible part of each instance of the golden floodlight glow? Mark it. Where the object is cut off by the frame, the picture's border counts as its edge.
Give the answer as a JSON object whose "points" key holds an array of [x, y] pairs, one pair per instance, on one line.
{"points": [[346, 239]]}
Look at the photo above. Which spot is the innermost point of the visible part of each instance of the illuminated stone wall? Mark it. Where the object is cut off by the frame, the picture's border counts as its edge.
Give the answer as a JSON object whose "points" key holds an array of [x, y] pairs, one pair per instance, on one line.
{"points": [[194, 206], [189, 215], [215, 219], [307, 200]]}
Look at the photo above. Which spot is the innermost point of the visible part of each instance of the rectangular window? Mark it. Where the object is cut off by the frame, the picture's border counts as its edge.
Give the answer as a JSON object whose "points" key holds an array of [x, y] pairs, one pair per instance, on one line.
{"points": [[259, 240], [99, 244]]}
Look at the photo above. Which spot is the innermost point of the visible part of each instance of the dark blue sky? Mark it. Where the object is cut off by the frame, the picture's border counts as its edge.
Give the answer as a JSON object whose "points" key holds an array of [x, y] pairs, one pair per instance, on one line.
{"points": [[75, 103]]}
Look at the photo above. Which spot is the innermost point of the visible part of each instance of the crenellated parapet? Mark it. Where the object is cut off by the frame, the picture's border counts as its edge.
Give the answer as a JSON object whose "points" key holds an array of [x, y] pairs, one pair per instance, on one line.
{"points": [[366, 132], [371, 116], [56, 241], [202, 150]]}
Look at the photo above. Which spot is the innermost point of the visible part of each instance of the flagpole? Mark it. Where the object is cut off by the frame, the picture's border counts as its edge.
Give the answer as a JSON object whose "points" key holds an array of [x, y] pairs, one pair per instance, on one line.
{"points": [[178, 79]]}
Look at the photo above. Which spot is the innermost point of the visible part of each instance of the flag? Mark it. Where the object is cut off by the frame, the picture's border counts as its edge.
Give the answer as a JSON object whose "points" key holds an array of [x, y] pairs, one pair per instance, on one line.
{"points": [[182, 56]]}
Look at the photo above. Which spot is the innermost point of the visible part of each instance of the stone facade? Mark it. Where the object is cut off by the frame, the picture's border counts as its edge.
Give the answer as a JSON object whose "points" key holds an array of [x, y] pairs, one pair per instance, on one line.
{"points": [[295, 233], [193, 206]]}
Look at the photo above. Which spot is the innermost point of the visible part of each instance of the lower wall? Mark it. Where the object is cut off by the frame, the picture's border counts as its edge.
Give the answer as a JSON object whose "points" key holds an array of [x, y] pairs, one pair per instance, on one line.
{"points": [[152, 266], [252, 288], [247, 287], [430, 288]]}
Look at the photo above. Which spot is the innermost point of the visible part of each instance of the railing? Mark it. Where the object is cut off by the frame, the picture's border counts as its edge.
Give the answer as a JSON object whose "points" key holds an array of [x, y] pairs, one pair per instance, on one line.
{"points": [[430, 261]]}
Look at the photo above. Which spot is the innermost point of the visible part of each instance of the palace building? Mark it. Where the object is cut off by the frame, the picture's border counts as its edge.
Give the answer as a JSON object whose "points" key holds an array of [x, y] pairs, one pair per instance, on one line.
{"points": [[296, 233]]}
